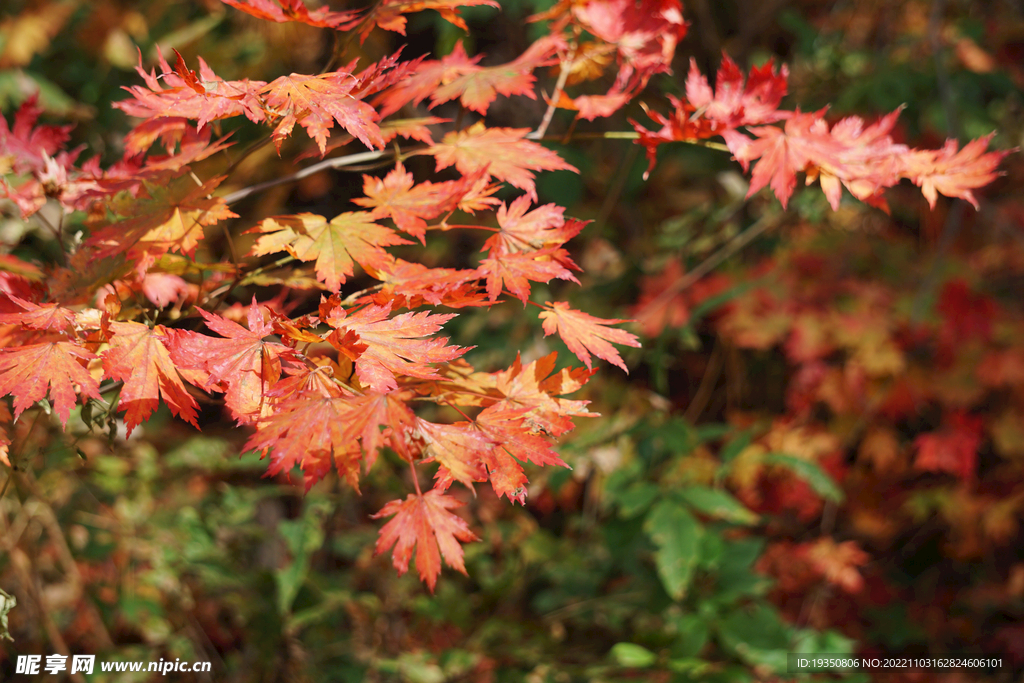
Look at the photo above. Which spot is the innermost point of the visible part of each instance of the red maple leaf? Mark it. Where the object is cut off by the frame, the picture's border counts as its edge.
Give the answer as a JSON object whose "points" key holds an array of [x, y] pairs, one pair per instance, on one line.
{"points": [[584, 334], [645, 32], [732, 104], [26, 371], [422, 522], [295, 10], [242, 363], [384, 347], [504, 153], [953, 448], [137, 356], [26, 145], [46, 316], [203, 96]]}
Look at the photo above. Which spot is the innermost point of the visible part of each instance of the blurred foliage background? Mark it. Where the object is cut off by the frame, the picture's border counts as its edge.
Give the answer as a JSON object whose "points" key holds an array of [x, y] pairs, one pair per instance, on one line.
{"points": [[755, 486]]}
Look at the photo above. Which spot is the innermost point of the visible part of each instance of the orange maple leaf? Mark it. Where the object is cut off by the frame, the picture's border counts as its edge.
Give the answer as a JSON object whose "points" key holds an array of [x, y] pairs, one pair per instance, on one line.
{"points": [[422, 522], [515, 271], [316, 102], [170, 218], [418, 283], [295, 10], [25, 372], [504, 153], [137, 356], [385, 347], [457, 448], [523, 230], [348, 237], [953, 173], [388, 13], [408, 204], [476, 87], [584, 334]]}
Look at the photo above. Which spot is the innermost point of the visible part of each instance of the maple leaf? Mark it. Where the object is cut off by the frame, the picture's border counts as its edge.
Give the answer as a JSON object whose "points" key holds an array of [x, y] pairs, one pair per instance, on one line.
{"points": [[170, 218], [506, 475], [732, 104], [241, 364], [477, 87], [523, 230], [416, 283], [504, 153], [137, 356], [584, 334], [522, 396], [953, 449], [296, 10], [46, 316], [388, 13], [25, 146], [951, 173], [507, 425], [457, 448], [408, 204], [385, 347], [203, 96], [784, 152], [838, 563], [515, 271], [26, 371], [316, 102], [424, 523], [348, 237], [645, 32], [306, 432]]}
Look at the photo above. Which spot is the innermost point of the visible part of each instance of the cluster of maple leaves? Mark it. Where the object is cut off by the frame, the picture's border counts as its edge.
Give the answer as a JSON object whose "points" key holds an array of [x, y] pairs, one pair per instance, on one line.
{"points": [[76, 335]]}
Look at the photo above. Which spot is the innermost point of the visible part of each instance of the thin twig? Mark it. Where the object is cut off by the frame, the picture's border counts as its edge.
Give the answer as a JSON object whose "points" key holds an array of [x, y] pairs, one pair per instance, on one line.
{"points": [[337, 162], [563, 76], [364, 157], [731, 247]]}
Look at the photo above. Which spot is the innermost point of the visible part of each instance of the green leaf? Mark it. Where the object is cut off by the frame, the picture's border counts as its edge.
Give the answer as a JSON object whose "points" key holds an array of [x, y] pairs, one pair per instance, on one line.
{"points": [[303, 536], [757, 636], [633, 656], [677, 534], [810, 472], [637, 498], [736, 446], [718, 504], [692, 636]]}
